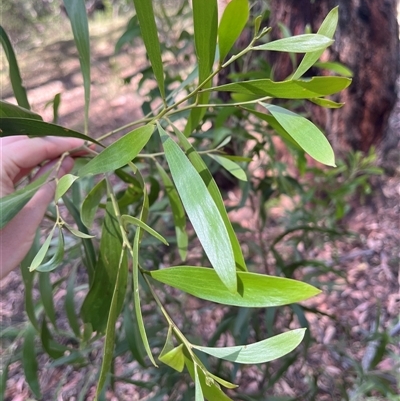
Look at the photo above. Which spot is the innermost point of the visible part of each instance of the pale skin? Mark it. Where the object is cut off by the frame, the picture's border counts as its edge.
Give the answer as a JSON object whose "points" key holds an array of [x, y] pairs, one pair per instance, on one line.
{"points": [[19, 156]]}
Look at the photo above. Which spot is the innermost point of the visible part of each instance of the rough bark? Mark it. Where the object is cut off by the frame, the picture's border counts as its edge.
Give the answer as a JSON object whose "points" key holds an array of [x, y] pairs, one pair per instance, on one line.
{"points": [[367, 41]]}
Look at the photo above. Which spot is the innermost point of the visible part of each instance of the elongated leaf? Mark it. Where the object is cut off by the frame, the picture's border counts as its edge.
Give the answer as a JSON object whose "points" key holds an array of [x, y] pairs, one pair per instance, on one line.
{"points": [[3, 378], [308, 42], [260, 352], [305, 133], [11, 204], [27, 126], [178, 213], [70, 303], [198, 391], [15, 76], [37, 261], [57, 258], [91, 203], [56, 106], [145, 15], [210, 389], [136, 297], [120, 152], [76, 11], [202, 212], [271, 120], [335, 67], [212, 187], [53, 349], [29, 362], [46, 295], [254, 290], [205, 22], [28, 279], [63, 185], [327, 28], [96, 306], [11, 110], [329, 104], [90, 254], [76, 232], [232, 23], [230, 166], [125, 219], [109, 344], [133, 336], [315, 87]]}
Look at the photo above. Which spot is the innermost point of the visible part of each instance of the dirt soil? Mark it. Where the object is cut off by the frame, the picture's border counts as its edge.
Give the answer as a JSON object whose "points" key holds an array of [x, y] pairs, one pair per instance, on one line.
{"points": [[371, 261]]}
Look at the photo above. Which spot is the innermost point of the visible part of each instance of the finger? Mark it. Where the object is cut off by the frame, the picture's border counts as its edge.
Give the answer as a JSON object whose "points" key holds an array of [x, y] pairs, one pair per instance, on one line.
{"points": [[22, 156], [11, 139], [17, 236]]}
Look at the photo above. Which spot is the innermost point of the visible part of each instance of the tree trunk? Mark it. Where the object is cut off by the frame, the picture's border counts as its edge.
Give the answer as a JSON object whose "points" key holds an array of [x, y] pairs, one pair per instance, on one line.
{"points": [[367, 41]]}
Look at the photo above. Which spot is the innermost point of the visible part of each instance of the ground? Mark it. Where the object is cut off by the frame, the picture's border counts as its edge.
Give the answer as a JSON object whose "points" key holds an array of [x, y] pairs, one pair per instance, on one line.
{"points": [[348, 307]]}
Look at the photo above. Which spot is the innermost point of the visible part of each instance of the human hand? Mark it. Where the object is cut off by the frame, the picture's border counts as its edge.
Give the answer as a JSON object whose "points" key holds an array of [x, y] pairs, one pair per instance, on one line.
{"points": [[19, 155]]}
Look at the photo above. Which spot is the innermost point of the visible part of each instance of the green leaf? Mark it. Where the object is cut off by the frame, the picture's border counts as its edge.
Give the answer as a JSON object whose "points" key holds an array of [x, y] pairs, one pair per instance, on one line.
{"points": [[11, 110], [202, 212], [11, 204], [210, 389], [174, 358], [28, 279], [29, 362], [76, 11], [120, 152], [125, 219], [91, 203], [198, 391], [46, 295], [15, 76], [57, 258], [63, 185], [232, 23], [305, 133], [230, 166], [335, 67], [56, 106], [132, 336], [96, 306], [27, 126], [89, 253], [259, 352], [178, 213], [212, 187], [205, 21], [115, 309], [148, 28], [136, 297], [315, 87], [53, 349], [329, 104], [38, 259], [305, 43], [4, 377], [76, 232], [70, 303], [254, 290], [327, 28], [271, 120]]}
